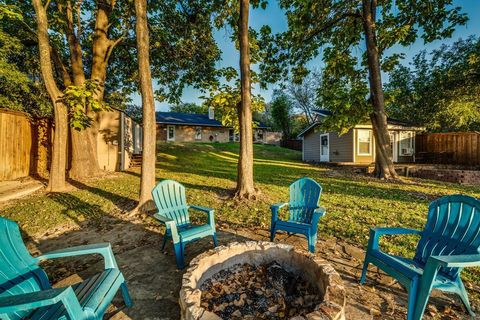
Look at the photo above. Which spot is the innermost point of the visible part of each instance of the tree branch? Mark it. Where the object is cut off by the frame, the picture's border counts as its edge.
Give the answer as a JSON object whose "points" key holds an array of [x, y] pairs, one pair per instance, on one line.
{"points": [[46, 5], [331, 24]]}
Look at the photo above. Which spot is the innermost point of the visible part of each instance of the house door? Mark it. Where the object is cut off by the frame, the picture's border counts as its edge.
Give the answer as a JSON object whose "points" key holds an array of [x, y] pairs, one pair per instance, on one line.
{"points": [[324, 148], [394, 145]]}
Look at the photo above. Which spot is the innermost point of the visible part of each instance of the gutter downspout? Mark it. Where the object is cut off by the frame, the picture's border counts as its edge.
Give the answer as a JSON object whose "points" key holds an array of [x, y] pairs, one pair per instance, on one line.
{"points": [[122, 142]]}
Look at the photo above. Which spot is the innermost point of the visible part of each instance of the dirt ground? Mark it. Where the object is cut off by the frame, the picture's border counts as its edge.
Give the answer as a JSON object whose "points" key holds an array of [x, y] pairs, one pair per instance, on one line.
{"points": [[154, 280]]}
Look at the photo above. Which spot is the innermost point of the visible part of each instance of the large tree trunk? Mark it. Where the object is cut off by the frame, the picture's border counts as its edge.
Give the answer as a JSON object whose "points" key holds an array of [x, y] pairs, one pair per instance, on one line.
{"points": [[59, 155], [147, 182], [383, 152], [84, 147], [245, 186]]}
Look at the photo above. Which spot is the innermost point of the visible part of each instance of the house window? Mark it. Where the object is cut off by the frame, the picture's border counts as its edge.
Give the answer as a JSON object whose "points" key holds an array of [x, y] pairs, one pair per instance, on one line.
{"points": [[260, 135], [406, 143], [364, 139], [198, 133], [170, 133]]}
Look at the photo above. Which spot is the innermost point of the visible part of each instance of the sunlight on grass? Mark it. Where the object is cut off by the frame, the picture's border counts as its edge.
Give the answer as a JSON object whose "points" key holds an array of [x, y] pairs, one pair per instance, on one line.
{"points": [[354, 202]]}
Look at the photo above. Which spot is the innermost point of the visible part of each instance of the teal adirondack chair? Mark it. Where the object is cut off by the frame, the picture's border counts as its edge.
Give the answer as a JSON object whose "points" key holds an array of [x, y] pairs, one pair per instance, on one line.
{"points": [[169, 197], [26, 292], [449, 243], [304, 211]]}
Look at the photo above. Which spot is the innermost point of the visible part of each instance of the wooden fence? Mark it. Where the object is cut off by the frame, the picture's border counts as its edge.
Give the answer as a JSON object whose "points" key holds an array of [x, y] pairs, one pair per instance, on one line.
{"points": [[15, 144], [459, 148], [294, 144]]}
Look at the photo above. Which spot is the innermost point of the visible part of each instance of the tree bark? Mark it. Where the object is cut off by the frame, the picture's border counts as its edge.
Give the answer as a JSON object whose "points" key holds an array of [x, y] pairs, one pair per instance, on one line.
{"points": [[84, 145], [56, 182], [383, 152], [245, 186], [147, 182]]}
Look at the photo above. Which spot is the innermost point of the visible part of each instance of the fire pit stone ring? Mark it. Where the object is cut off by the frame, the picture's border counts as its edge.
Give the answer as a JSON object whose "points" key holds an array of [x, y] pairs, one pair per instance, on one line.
{"points": [[315, 270]]}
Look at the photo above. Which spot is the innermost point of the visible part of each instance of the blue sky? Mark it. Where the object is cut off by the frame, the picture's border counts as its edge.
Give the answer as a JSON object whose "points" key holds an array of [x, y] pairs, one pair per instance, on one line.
{"points": [[274, 17]]}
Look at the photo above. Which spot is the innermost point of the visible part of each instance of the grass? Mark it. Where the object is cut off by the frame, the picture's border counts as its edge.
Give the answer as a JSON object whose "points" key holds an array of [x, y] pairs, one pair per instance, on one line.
{"points": [[354, 202]]}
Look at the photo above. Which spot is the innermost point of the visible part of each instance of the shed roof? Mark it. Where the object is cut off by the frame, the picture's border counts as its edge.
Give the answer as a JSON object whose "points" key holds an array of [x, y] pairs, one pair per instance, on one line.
{"points": [[325, 113]]}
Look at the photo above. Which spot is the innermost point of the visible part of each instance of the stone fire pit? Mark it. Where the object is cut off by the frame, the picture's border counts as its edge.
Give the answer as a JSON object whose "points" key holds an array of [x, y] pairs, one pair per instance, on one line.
{"points": [[316, 272]]}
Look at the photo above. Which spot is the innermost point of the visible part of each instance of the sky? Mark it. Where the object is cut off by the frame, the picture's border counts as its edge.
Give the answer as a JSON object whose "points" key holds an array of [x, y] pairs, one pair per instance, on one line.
{"points": [[275, 18]]}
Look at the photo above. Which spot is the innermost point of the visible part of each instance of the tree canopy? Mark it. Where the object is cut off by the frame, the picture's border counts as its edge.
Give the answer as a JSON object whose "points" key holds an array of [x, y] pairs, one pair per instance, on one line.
{"points": [[439, 90], [334, 31]]}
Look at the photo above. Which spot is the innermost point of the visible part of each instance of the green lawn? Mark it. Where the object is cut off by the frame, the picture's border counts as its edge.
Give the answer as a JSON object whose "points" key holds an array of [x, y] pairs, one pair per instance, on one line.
{"points": [[354, 202]]}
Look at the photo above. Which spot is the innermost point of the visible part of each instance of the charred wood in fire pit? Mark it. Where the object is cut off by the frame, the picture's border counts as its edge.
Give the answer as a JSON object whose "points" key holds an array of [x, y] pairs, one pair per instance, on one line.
{"points": [[258, 292]]}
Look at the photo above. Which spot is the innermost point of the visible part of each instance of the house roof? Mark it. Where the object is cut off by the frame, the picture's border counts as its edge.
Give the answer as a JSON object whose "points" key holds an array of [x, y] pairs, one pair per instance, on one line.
{"points": [[186, 119], [191, 119], [325, 113]]}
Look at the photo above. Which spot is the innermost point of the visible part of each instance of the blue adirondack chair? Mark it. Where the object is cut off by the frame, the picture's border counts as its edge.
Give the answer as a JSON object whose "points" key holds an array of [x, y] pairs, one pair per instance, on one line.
{"points": [[26, 292], [304, 211], [449, 242], [169, 197]]}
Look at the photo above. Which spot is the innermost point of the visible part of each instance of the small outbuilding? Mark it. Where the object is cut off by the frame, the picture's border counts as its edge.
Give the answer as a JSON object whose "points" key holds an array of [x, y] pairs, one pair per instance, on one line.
{"points": [[190, 127], [357, 146]]}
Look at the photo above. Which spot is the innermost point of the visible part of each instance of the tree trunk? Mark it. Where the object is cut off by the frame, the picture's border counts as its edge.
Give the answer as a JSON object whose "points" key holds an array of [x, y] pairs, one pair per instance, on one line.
{"points": [[59, 155], [245, 186], [383, 152], [147, 182], [84, 142]]}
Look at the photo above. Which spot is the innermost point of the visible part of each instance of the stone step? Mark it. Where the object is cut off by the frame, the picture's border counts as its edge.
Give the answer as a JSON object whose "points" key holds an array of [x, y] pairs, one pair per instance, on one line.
{"points": [[15, 189]]}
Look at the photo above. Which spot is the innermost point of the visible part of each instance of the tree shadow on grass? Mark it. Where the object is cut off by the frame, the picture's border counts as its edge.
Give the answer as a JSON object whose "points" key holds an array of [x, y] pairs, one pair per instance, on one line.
{"points": [[276, 175], [122, 203]]}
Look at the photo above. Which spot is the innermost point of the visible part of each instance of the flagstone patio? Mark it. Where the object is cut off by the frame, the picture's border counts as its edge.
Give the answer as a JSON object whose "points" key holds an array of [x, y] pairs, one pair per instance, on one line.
{"points": [[154, 280]]}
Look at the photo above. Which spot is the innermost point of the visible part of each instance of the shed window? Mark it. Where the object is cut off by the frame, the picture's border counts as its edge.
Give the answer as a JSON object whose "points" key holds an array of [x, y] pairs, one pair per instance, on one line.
{"points": [[364, 138], [198, 133], [406, 143]]}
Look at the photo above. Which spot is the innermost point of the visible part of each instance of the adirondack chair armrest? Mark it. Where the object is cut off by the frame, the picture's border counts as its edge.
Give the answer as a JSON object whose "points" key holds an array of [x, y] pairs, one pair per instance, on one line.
{"points": [[275, 208], [456, 261], [376, 233], [200, 208], [170, 224], [209, 211], [278, 206], [317, 214], [104, 249], [320, 211], [37, 299]]}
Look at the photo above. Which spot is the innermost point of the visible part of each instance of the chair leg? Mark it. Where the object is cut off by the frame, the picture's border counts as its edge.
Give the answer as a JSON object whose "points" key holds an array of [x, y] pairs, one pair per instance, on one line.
{"points": [[126, 295], [462, 293], [312, 241], [179, 255], [412, 299], [364, 270], [272, 234], [215, 242], [165, 238]]}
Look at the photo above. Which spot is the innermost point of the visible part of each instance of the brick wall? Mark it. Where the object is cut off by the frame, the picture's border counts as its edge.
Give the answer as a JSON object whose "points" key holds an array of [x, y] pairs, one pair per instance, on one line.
{"points": [[447, 175]]}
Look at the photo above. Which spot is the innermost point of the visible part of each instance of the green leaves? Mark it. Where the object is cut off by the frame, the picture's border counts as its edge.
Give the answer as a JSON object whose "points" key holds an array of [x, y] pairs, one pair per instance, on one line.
{"points": [[226, 99], [10, 12], [439, 90], [281, 109], [333, 30], [82, 102]]}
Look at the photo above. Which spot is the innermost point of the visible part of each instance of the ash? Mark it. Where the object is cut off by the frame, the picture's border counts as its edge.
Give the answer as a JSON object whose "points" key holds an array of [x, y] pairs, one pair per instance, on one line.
{"points": [[258, 292]]}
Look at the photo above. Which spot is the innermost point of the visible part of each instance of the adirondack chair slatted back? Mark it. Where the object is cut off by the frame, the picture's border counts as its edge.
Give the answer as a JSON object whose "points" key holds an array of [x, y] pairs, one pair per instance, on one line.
{"points": [[169, 197], [18, 271], [304, 198], [452, 228]]}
